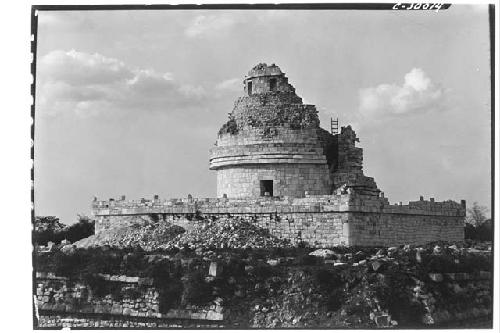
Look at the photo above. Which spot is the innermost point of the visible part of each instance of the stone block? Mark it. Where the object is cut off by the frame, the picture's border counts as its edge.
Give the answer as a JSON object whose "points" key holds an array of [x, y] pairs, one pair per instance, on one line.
{"points": [[215, 269]]}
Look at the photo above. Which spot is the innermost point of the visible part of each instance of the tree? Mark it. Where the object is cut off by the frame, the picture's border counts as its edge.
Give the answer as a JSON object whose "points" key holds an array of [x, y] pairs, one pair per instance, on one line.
{"points": [[477, 225], [49, 229], [476, 215], [48, 223], [82, 229]]}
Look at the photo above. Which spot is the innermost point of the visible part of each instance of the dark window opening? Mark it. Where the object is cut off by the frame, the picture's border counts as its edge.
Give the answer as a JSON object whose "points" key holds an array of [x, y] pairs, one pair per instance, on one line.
{"points": [[266, 188], [249, 88], [272, 84]]}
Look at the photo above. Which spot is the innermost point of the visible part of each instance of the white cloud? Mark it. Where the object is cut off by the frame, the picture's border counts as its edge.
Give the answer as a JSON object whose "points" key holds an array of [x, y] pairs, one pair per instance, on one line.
{"points": [[234, 84], [211, 24], [203, 25], [77, 68], [92, 83], [417, 94]]}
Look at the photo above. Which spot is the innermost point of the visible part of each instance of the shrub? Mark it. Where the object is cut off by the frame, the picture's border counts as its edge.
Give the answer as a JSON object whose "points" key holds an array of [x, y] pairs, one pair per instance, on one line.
{"points": [[470, 231], [234, 267], [229, 127], [394, 290], [306, 260], [46, 236], [166, 277], [80, 262], [49, 223], [485, 231], [69, 264], [335, 299], [327, 278], [482, 232], [331, 285], [263, 271], [82, 229], [277, 252], [170, 295], [196, 290], [48, 229], [99, 286]]}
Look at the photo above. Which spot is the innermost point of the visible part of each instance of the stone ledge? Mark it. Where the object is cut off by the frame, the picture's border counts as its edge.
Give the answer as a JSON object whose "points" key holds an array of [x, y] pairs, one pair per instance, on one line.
{"points": [[171, 314], [107, 277]]}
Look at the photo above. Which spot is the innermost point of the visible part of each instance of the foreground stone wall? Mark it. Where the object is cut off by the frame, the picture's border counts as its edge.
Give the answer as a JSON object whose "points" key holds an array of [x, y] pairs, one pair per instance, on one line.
{"points": [[444, 296], [82, 320], [61, 294], [348, 219], [62, 302]]}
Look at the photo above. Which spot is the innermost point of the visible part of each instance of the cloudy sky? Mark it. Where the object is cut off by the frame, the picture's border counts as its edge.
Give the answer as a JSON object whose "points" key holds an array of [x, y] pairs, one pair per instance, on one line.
{"points": [[129, 102]]}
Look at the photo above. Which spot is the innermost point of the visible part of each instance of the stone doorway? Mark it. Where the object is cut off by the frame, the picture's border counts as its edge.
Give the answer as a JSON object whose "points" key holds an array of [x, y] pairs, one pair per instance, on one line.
{"points": [[266, 188], [272, 84]]}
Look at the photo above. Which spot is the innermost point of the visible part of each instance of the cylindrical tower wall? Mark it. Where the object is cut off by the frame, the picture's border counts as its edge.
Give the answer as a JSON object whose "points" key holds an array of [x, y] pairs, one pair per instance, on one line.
{"points": [[271, 144], [293, 160], [292, 180]]}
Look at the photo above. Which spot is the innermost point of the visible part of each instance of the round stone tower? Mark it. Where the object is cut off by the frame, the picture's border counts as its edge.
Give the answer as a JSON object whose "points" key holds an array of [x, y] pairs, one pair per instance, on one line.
{"points": [[271, 144]]}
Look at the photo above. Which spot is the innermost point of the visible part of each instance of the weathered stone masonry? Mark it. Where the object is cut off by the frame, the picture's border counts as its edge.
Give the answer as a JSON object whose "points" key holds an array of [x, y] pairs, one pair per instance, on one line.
{"points": [[62, 302], [278, 169], [274, 137], [349, 219]]}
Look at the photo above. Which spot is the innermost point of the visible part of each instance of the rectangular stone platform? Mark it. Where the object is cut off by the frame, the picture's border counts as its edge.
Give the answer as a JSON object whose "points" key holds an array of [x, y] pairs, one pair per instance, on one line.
{"points": [[328, 220]]}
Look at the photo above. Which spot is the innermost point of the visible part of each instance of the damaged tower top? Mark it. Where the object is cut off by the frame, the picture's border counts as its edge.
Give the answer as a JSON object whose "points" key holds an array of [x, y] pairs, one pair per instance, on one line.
{"points": [[272, 145]]}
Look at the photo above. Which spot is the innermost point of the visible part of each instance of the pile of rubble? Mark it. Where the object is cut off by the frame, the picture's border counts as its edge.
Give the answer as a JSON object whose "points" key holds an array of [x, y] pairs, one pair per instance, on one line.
{"points": [[400, 286], [206, 233], [149, 237], [342, 287], [225, 233]]}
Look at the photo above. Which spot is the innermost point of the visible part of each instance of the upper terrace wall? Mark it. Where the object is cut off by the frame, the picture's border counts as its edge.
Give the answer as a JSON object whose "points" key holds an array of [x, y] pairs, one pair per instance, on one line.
{"points": [[349, 219], [348, 202]]}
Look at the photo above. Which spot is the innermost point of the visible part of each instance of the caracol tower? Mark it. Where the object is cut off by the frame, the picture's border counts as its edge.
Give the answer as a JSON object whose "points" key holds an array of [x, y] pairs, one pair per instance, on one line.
{"points": [[279, 170], [270, 146]]}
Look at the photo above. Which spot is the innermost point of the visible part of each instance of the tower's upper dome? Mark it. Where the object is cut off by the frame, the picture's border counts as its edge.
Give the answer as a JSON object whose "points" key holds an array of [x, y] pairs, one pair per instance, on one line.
{"points": [[263, 69], [269, 101]]}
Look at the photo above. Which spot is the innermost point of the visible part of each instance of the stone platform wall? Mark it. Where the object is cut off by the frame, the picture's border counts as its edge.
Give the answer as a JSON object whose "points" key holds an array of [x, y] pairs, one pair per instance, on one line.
{"points": [[349, 219], [83, 320], [62, 302], [396, 229]]}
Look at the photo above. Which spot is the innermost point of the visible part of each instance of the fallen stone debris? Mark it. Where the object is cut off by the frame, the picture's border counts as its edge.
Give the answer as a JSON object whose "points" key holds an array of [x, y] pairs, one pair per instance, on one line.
{"points": [[149, 238], [225, 233], [436, 285], [222, 233]]}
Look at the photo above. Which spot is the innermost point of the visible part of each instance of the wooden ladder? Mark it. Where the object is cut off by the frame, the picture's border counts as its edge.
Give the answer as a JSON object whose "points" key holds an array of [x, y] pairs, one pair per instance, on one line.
{"points": [[334, 126]]}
